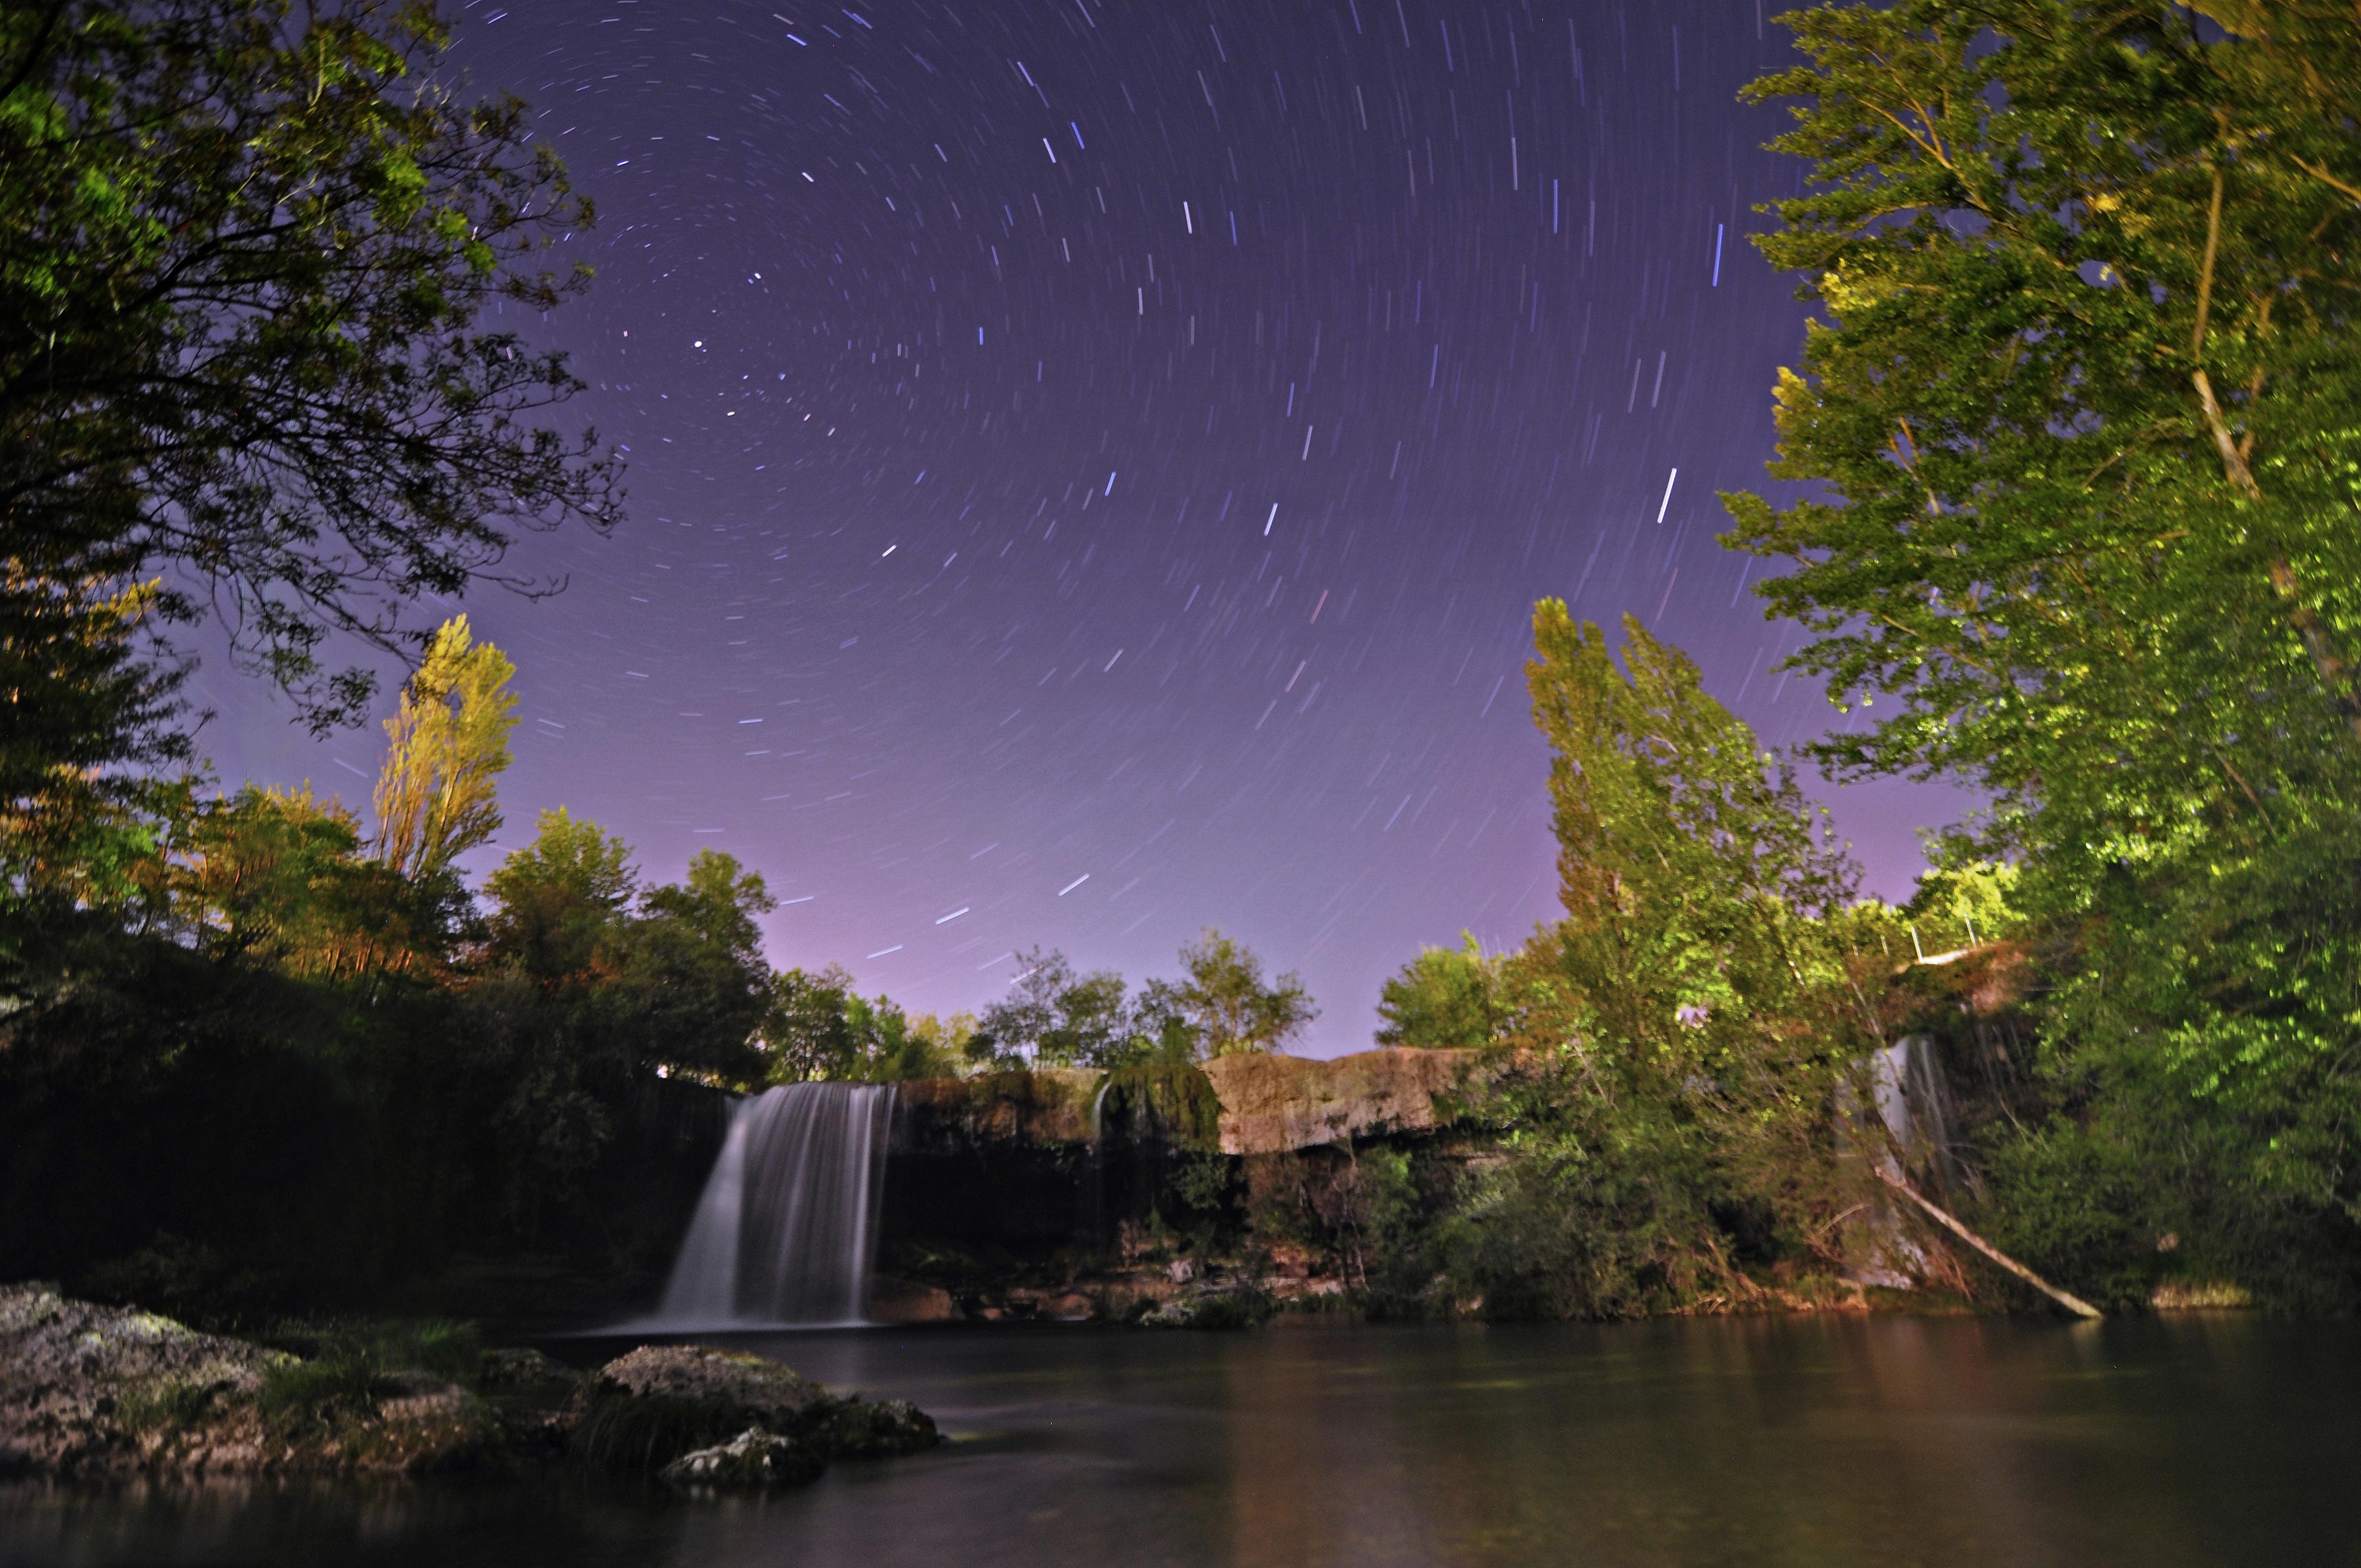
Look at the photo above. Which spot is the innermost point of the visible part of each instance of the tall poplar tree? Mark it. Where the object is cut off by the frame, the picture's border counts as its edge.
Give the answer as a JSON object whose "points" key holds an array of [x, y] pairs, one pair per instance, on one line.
{"points": [[437, 794]]}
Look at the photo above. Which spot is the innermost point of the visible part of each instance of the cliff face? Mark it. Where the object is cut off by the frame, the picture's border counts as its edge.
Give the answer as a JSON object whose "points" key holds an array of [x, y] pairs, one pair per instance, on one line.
{"points": [[1269, 1104], [1009, 1194], [1272, 1104], [940, 1115]]}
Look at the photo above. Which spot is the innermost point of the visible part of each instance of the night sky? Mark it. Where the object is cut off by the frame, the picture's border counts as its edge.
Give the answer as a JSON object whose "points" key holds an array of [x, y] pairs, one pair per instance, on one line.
{"points": [[1092, 463]]}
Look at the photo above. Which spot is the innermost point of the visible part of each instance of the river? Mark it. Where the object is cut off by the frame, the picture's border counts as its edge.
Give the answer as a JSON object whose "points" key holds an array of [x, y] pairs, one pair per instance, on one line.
{"points": [[2202, 1439]]}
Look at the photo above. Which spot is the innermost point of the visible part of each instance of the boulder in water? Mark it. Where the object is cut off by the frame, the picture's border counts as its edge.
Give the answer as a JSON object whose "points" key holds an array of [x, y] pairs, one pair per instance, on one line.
{"points": [[662, 1403], [876, 1429], [753, 1460]]}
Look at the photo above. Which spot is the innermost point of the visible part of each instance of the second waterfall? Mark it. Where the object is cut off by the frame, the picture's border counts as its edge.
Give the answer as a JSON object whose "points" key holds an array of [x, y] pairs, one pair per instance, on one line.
{"points": [[787, 1227]]}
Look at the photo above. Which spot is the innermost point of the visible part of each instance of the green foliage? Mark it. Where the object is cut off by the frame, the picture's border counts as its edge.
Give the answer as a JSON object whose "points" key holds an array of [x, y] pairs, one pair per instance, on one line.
{"points": [[807, 1032], [1700, 892], [689, 982], [1963, 904], [1682, 1032], [818, 1027], [2098, 583], [1052, 1017], [557, 899], [2078, 423], [1224, 997], [87, 722], [1168, 1098], [1446, 998], [277, 877], [243, 254]]}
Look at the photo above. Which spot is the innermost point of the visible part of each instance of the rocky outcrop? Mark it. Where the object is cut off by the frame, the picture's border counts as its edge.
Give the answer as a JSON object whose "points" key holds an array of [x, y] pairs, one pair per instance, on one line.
{"points": [[95, 1392], [703, 1417], [1052, 1106], [1271, 1104], [91, 1391]]}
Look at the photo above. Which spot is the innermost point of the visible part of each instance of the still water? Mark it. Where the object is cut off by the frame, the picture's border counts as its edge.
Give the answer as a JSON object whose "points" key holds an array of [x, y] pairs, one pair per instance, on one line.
{"points": [[2195, 1440]]}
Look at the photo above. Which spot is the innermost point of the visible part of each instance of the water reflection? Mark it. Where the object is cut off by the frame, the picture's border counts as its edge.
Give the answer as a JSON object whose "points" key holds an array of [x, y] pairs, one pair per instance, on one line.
{"points": [[1773, 1441]]}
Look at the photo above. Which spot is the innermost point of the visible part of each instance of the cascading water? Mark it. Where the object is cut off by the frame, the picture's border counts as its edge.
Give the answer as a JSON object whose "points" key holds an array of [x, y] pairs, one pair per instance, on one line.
{"points": [[788, 1225]]}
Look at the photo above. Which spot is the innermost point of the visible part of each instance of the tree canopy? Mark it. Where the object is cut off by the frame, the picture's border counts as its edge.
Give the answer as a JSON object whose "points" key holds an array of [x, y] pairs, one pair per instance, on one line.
{"points": [[247, 256], [2078, 429]]}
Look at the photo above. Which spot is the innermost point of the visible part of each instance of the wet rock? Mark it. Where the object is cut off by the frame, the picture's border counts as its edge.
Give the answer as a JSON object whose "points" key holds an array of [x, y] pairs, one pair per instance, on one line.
{"points": [[662, 1403], [1049, 1106], [753, 1460], [876, 1429]]}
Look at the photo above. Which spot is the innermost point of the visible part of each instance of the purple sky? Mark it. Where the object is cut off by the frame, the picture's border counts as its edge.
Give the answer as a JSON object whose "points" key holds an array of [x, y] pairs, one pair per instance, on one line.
{"points": [[1092, 464]]}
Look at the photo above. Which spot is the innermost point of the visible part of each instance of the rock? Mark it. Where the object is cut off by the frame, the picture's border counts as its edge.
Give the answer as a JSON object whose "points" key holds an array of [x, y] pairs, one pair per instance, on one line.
{"points": [[773, 1394], [91, 1390], [661, 1403], [1047, 1106], [894, 1301], [1274, 1104], [753, 1460], [1269, 1103], [1225, 1307], [433, 1431], [876, 1429], [507, 1367]]}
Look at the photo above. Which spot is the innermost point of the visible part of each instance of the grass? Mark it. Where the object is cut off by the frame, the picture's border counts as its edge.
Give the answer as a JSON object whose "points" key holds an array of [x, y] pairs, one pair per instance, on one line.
{"points": [[649, 1431]]}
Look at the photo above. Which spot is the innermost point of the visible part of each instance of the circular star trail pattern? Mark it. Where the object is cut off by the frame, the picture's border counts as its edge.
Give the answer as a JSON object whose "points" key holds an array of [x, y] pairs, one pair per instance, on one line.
{"points": [[1091, 461]]}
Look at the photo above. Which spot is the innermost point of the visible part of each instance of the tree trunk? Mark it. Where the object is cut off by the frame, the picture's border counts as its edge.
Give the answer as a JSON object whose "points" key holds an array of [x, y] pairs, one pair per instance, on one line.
{"points": [[2072, 1303], [2335, 673]]}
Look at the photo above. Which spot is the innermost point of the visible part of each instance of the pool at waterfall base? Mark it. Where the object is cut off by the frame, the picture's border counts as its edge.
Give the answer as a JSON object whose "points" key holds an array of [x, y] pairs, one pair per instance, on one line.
{"points": [[1882, 1442]]}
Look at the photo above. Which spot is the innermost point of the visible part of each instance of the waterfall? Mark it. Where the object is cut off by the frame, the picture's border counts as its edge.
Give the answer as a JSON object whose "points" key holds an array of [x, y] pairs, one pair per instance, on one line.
{"points": [[1908, 1086], [787, 1226]]}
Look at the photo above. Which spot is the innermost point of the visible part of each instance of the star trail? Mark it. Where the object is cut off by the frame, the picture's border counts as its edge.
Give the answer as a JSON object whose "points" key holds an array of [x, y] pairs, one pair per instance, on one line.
{"points": [[1091, 461]]}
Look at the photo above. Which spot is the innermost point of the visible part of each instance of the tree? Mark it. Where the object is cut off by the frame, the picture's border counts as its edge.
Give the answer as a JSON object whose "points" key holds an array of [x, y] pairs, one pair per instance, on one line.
{"points": [[437, 793], [2082, 423], [1687, 858], [689, 989], [557, 899], [1228, 1004], [1697, 1008], [275, 877], [807, 1031], [87, 723], [245, 251], [2082, 413], [1054, 1017], [819, 1029], [1446, 998]]}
